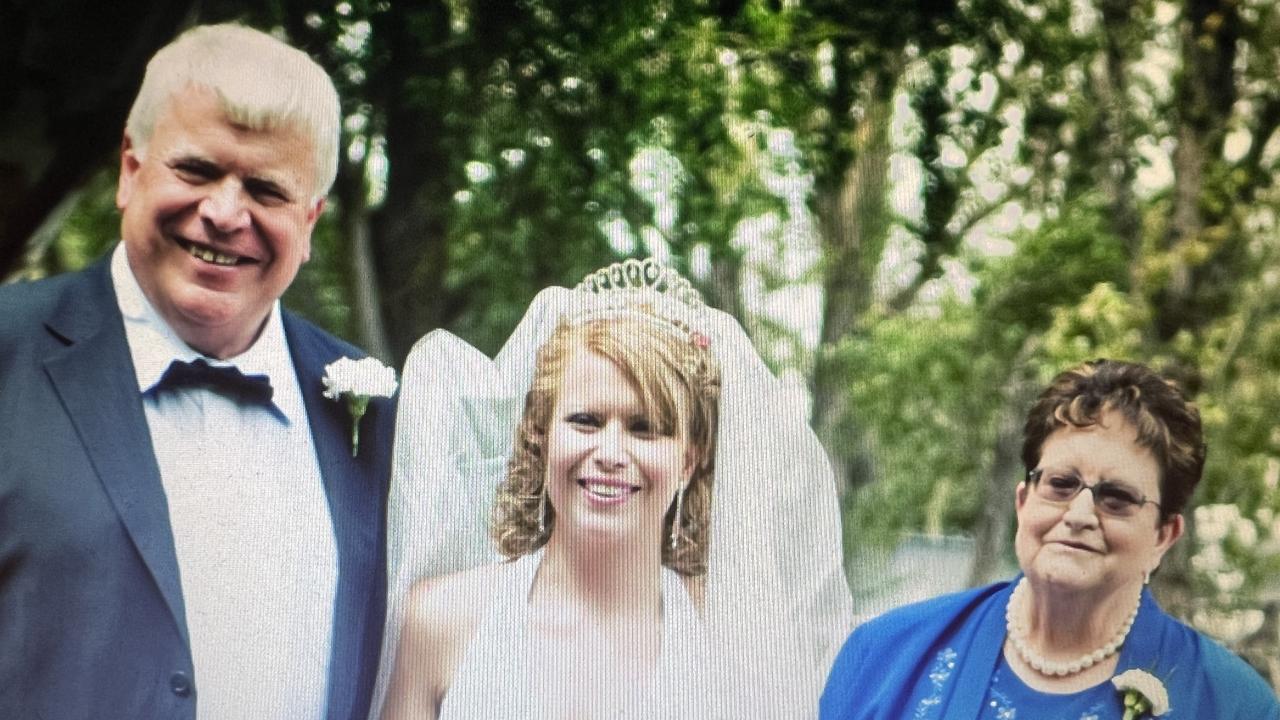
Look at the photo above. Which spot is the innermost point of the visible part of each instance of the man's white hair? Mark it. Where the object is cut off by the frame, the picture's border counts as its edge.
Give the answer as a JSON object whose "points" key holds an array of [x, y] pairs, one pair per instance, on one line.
{"points": [[260, 82]]}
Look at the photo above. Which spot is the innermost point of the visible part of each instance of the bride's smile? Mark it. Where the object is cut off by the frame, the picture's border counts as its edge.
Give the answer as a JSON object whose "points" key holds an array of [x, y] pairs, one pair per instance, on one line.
{"points": [[613, 465], [606, 490]]}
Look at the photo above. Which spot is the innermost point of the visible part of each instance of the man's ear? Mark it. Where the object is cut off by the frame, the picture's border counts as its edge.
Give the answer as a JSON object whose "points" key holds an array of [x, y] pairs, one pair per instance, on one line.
{"points": [[130, 164], [313, 214]]}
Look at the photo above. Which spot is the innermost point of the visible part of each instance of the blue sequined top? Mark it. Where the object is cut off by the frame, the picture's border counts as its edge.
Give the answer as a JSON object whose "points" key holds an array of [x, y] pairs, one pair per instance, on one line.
{"points": [[1008, 698]]}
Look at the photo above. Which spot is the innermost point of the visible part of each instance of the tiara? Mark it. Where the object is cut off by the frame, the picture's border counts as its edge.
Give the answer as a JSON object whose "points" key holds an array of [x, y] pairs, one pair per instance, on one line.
{"points": [[650, 291]]}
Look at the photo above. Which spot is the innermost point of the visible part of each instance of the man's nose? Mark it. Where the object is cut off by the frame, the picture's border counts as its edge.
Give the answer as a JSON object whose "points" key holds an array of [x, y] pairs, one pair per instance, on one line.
{"points": [[224, 206]]}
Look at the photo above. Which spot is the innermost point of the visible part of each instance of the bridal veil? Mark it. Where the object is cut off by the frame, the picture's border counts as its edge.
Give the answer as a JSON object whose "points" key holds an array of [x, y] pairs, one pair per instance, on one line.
{"points": [[777, 602]]}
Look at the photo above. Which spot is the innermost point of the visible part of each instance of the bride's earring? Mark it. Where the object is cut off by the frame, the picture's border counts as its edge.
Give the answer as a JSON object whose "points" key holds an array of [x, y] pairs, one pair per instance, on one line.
{"points": [[675, 520], [542, 510]]}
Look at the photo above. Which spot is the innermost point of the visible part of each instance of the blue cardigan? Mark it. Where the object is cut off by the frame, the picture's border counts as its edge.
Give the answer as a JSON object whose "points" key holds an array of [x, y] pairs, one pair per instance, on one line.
{"points": [[934, 659]]}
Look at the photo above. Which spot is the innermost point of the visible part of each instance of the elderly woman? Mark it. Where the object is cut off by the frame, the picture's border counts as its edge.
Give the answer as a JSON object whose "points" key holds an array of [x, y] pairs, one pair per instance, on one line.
{"points": [[642, 457], [1112, 453]]}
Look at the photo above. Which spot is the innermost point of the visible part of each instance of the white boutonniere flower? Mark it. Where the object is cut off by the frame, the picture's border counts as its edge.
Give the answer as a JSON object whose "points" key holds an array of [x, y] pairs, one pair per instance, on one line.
{"points": [[357, 381], [1143, 693]]}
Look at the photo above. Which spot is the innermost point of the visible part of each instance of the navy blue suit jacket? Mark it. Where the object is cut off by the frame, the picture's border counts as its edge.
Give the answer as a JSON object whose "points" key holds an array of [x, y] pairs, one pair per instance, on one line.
{"points": [[92, 622]]}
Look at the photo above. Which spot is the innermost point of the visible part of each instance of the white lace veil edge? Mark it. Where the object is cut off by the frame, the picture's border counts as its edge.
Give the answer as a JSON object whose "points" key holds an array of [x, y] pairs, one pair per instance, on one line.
{"points": [[777, 603]]}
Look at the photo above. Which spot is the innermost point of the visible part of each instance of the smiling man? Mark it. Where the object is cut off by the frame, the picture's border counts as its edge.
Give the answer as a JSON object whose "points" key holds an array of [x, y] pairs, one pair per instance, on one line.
{"points": [[183, 523], [217, 218]]}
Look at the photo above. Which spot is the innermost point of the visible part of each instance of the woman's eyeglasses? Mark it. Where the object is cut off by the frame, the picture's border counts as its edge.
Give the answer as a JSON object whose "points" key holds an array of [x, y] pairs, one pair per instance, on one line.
{"points": [[1109, 497]]}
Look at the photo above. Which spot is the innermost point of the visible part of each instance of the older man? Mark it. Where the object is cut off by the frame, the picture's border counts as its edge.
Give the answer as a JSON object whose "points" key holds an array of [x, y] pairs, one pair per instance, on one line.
{"points": [[184, 522]]}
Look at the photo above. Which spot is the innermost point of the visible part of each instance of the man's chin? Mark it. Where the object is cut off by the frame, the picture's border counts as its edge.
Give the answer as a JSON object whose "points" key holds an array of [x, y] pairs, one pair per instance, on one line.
{"points": [[214, 324]]}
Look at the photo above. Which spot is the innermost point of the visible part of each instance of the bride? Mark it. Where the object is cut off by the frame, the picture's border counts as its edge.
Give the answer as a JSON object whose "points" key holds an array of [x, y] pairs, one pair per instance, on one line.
{"points": [[666, 532]]}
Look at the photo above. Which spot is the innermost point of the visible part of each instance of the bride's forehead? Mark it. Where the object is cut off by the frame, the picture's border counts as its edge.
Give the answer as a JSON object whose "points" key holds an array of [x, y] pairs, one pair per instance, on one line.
{"points": [[590, 374], [592, 377]]}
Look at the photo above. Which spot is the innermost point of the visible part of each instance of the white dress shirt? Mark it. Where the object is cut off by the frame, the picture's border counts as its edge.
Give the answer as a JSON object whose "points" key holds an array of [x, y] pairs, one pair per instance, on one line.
{"points": [[255, 543]]}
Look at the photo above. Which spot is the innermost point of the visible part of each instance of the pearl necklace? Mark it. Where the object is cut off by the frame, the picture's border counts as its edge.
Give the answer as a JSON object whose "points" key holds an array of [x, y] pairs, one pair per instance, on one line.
{"points": [[1018, 638]]}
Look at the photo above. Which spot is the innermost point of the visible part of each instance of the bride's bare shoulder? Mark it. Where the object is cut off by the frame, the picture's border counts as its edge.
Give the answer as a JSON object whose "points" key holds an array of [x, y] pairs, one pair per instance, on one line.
{"points": [[445, 610], [441, 616]]}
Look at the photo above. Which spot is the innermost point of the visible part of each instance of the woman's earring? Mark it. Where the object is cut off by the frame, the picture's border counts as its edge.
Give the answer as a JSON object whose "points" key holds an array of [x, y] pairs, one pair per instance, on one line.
{"points": [[675, 520], [542, 510]]}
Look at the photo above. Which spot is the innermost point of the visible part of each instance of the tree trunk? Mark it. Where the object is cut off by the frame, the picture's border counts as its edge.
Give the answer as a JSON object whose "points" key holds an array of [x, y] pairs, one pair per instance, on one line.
{"points": [[1002, 469], [408, 243], [1115, 169], [362, 282], [723, 288], [853, 218], [1205, 95]]}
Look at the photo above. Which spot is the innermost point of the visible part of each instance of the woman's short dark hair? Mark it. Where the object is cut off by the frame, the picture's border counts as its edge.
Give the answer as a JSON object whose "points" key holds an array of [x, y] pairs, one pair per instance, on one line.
{"points": [[1167, 423]]}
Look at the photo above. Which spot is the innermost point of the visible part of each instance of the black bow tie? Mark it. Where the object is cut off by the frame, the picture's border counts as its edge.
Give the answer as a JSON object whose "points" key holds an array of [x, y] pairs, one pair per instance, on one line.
{"points": [[222, 379]]}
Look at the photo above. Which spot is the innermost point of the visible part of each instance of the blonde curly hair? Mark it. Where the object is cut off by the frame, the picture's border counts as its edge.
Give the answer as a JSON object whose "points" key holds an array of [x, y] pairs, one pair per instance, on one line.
{"points": [[678, 382]]}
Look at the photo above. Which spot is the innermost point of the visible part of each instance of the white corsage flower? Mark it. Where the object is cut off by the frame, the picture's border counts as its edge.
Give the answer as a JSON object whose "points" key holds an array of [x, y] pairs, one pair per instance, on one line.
{"points": [[1143, 693], [357, 381]]}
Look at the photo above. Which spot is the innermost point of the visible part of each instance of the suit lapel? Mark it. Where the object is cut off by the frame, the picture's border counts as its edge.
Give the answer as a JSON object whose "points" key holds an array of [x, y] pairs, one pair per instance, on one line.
{"points": [[94, 377], [354, 488]]}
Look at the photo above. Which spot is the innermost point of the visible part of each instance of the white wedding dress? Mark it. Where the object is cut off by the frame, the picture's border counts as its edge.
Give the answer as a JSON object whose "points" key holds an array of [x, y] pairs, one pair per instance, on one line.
{"points": [[777, 605], [496, 676]]}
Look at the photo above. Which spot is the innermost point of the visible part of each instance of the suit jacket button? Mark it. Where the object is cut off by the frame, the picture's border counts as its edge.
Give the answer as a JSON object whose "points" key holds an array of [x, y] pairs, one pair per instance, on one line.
{"points": [[180, 684]]}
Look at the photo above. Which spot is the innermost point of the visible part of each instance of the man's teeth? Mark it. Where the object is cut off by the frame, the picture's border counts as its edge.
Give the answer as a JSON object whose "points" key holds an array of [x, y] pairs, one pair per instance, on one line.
{"points": [[210, 256]]}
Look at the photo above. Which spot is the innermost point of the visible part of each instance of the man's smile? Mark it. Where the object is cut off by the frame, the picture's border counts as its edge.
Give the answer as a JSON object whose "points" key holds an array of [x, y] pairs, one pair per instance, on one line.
{"points": [[215, 257]]}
